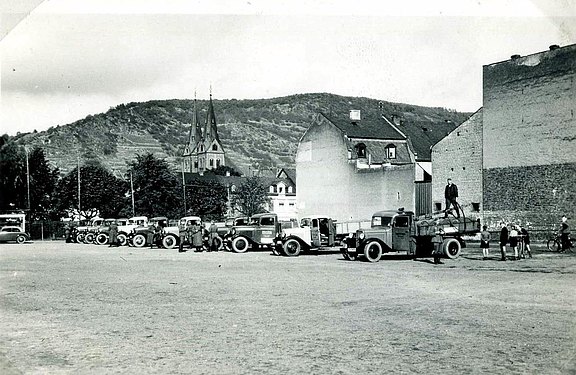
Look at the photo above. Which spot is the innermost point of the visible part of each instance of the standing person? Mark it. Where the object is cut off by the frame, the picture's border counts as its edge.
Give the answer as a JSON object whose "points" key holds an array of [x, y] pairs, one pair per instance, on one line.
{"points": [[565, 234], [485, 242], [503, 240], [213, 236], [526, 235], [514, 241], [151, 234], [451, 193], [197, 236], [113, 235]]}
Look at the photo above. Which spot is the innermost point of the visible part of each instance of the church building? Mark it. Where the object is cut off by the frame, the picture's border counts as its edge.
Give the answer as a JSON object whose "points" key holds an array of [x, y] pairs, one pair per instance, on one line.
{"points": [[204, 150]]}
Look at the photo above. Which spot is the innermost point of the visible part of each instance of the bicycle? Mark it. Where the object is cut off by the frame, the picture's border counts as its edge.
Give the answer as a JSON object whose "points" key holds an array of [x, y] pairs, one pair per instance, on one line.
{"points": [[554, 243]]}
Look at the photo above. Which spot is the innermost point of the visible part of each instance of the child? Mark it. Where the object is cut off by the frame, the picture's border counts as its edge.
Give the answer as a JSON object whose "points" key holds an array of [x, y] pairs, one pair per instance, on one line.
{"points": [[503, 240], [514, 241], [526, 243], [485, 242]]}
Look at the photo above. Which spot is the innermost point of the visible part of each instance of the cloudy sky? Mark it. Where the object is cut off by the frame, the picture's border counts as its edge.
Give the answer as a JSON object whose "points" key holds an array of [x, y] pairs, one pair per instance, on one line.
{"points": [[62, 60]]}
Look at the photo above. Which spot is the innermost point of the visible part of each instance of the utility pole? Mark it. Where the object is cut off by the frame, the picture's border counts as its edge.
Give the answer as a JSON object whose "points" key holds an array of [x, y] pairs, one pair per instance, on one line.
{"points": [[27, 179], [79, 207], [132, 193], [184, 187]]}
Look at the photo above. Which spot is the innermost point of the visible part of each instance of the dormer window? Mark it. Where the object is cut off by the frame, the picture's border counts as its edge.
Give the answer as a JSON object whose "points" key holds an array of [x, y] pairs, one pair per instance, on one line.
{"points": [[214, 147], [360, 150], [271, 190], [391, 151], [289, 189]]}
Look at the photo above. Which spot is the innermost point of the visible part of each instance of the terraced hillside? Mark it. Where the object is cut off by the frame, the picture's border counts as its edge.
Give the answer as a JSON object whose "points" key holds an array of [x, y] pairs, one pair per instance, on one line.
{"points": [[256, 134]]}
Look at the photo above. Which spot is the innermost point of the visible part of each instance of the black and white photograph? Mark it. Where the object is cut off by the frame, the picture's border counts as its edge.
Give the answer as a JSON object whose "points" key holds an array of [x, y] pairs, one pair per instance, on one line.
{"points": [[287, 187]]}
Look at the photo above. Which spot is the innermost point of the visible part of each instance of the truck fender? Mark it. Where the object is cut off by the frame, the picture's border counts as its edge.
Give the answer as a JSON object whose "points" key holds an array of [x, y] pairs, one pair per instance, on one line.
{"points": [[385, 248]]}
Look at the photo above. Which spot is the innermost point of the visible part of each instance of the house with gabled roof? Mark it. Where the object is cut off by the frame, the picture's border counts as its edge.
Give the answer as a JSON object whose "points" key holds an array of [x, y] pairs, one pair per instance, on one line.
{"points": [[351, 165]]}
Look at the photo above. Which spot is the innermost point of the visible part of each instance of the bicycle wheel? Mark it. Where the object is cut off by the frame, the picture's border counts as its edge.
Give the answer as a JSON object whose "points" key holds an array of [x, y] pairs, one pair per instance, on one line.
{"points": [[553, 245]]}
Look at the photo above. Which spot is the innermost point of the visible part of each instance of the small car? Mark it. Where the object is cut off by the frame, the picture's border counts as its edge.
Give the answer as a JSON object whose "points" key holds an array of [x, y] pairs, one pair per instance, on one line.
{"points": [[13, 233]]}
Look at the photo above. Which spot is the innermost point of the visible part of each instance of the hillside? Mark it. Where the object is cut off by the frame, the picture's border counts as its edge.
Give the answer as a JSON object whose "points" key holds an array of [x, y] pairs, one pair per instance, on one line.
{"points": [[260, 133]]}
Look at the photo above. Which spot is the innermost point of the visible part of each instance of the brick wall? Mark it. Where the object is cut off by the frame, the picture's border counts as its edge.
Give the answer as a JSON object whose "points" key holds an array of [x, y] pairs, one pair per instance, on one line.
{"points": [[459, 156], [328, 184], [534, 195]]}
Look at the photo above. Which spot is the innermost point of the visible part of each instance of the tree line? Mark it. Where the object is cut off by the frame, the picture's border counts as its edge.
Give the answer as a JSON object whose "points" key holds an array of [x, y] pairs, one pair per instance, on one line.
{"points": [[29, 183]]}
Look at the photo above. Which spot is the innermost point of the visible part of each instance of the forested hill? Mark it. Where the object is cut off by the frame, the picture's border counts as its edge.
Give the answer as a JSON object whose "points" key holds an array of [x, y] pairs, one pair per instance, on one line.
{"points": [[261, 133]]}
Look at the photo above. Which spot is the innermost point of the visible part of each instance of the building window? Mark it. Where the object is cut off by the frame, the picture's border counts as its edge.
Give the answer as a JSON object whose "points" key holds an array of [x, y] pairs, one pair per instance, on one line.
{"points": [[391, 152], [360, 150], [438, 206], [271, 190], [211, 162], [217, 163], [280, 189], [196, 164], [201, 148], [289, 189], [214, 147], [476, 206]]}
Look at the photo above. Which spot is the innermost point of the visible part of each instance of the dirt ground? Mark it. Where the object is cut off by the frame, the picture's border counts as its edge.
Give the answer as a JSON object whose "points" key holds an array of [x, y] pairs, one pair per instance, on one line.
{"points": [[87, 309]]}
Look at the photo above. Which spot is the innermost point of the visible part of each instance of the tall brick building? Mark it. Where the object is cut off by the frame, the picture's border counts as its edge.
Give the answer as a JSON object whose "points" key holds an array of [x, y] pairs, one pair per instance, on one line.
{"points": [[526, 136], [529, 137]]}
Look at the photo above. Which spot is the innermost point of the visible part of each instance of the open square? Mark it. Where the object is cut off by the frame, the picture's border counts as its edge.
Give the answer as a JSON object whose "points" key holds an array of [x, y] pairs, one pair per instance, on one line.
{"points": [[74, 308]]}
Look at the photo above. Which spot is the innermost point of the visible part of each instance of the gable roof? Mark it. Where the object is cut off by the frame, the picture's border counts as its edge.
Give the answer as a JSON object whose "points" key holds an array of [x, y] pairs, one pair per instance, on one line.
{"points": [[373, 124]]}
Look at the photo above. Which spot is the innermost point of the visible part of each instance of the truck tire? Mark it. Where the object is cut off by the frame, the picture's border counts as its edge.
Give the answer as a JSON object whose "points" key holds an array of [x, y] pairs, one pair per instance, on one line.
{"points": [[240, 245], [122, 239], [169, 242], [292, 247], [89, 238], [452, 248], [373, 251], [80, 237], [139, 240], [102, 239]]}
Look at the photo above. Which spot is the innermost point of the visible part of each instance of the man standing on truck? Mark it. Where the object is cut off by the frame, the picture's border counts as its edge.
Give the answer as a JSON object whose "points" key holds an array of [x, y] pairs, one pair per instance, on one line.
{"points": [[451, 193]]}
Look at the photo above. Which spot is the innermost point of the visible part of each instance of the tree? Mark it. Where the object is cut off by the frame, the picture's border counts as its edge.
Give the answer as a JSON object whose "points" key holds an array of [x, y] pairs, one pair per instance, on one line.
{"points": [[100, 192], [207, 199], [43, 181], [157, 190], [12, 177], [251, 196]]}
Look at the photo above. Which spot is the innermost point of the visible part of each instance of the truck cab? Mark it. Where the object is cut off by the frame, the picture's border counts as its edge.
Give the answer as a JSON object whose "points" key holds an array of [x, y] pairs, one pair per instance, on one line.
{"points": [[260, 231], [390, 231]]}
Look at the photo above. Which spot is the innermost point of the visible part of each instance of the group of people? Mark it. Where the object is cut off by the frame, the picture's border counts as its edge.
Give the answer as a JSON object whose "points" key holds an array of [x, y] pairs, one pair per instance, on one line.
{"points": [[194, 234], [517, 236]]}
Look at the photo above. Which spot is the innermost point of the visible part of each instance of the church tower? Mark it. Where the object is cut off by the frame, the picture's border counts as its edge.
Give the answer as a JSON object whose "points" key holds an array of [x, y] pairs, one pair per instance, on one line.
{"points": [[203, 150]]}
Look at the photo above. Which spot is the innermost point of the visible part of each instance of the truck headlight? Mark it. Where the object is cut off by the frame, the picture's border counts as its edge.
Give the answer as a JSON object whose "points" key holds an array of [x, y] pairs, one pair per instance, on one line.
{"points": [[361, 235]]}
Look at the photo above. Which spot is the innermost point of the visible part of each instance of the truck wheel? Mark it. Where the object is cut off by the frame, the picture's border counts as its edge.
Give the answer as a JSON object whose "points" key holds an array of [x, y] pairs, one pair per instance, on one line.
{"points": [[169, 242], [139, 240], [102, 239], [452, 248], [80, 237], [20, 239], [122, 239], [240, 245], [89, 238], [373, 251], [292, 247]]}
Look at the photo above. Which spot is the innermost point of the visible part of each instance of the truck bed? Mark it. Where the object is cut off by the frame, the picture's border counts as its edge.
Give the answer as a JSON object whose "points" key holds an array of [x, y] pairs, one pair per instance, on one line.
{"points": [[429, 227]]}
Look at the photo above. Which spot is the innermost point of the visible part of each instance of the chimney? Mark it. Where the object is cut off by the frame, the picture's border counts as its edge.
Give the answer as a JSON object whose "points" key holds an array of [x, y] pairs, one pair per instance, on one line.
{"points": [[355, 115], [515, 57], [554, 46]]}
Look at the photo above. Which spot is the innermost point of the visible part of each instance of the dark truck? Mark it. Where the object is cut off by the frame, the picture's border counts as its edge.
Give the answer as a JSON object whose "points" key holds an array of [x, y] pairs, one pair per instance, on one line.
{"points": [[259, 232], [400, 232]]}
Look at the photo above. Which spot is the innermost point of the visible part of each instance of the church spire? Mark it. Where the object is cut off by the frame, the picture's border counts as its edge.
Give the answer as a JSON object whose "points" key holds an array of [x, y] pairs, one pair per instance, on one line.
{"points": [[195, 134], [210, 130]]}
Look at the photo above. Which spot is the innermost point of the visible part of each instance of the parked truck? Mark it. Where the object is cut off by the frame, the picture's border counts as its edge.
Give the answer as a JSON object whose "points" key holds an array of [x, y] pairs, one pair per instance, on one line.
{"points": [[400, 232], [314, 232]]}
